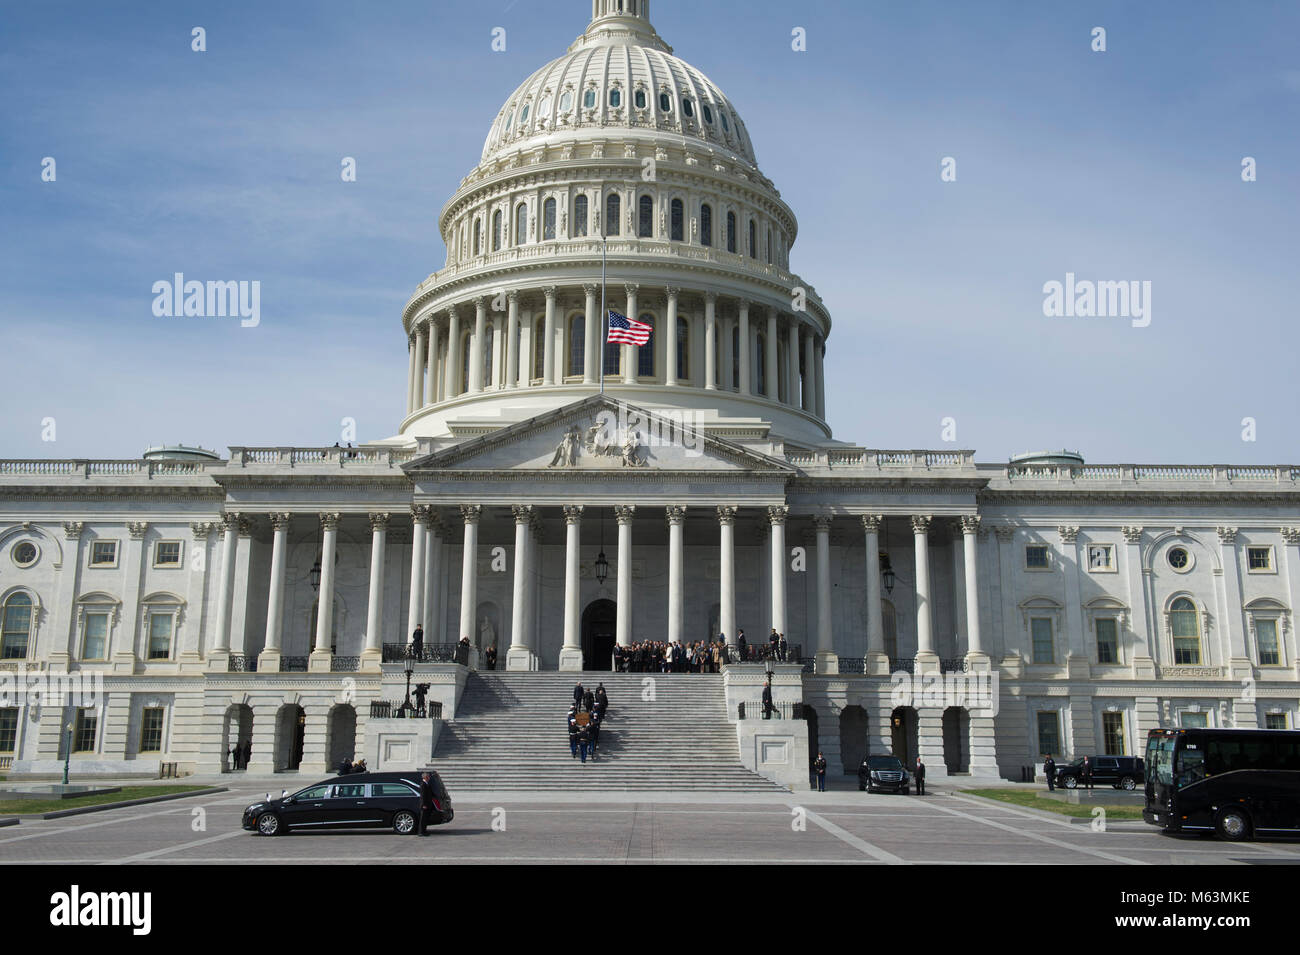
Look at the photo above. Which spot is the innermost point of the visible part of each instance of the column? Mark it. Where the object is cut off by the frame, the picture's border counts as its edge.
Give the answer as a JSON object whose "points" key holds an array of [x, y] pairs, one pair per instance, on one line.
{"points": [[373, 654], [269, 659], [676, 517], [415, 596], [512, 339], [1240, 666], [1142, 658], [430, 385], [432, 615], [623, 513], [819, 348], [469, 578], [225, 584], [548, 337], [746, 348], [591, 326], [571, 652], [670, 336], [521, 655], [809, 373], [792, 365], [421, 361], [975, 655], [452, 378], [877, 661], [726, 573], [411, 344], [630, 352], [1077, 659], [926, 659], [710, 342], [772, 356], [321, 655], [777, 515], [476, 346], [826, 659]]}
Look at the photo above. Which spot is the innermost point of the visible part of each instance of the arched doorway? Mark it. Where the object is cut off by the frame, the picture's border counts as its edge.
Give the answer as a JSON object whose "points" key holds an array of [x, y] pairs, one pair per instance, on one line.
{"points": [[341, 735], [598, 629], [853, 738], [236, 730], [290, 724], [956, 733], [903, 734]]}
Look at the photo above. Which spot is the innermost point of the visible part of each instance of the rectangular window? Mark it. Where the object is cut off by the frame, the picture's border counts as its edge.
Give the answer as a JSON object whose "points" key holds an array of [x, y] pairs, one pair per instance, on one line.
{"points": [[1107, 639], [1040, 629], [1101, 558], [1266, 634], [160, 636], [8, 729], [1259, 559], [83, 733], [1036, 557], [151, 730], [1112, 734], [1049, 733], [103, 554], [94, 642], [1272, 721], [1187, 719], [167, 554]]}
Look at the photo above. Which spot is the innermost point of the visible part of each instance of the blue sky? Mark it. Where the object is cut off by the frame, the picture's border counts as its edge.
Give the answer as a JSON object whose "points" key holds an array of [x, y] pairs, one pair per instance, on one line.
{"points": [[225, 165]]}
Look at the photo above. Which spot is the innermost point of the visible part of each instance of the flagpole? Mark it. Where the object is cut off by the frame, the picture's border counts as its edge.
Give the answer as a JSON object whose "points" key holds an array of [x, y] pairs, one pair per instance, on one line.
{"points": [[604, 312]]}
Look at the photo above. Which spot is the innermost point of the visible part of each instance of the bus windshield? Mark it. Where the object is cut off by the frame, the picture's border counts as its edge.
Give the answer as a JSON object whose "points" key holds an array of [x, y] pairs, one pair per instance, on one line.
{"points": [[1160, 759]]}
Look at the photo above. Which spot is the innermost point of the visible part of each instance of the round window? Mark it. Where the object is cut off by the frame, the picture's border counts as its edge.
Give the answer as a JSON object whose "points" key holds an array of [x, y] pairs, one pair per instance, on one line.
{"points": [[25, 553], [1179, 559]]}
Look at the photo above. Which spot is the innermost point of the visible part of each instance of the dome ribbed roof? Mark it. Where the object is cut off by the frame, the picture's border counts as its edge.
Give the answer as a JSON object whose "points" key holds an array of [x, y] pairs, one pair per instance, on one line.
{"points": [[595, 85]]}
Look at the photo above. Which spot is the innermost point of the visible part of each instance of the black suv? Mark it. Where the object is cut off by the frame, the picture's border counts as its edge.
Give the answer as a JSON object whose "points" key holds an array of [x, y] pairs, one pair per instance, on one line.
{"points": [[882, 772], [1122, 772], [359, 801]]}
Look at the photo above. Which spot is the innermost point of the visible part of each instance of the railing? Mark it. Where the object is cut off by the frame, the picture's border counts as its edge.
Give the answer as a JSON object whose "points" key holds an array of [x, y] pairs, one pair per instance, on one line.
{"points": [[6, 763], [242, 663], [883, 460], [762, 653], [780, 711], [386, 710], [908, 665], [167, 771], [105, 468], [1216, 474], [339, 457], [293, 664], [853, 665], [905, 664], [345, 664], [429, 653]]}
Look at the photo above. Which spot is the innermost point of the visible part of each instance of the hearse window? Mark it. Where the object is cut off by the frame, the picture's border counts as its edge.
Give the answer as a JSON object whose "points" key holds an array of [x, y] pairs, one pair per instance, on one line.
{"points": [[316, 792], [390, 789], [354, 791]]}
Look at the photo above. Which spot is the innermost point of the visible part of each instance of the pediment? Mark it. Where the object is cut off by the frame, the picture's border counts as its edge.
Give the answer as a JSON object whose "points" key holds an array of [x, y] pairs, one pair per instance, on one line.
{"points": [[599, 434]]}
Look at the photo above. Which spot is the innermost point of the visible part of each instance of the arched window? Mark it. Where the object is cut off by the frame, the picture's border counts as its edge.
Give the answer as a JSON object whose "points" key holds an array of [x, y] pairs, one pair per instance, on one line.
{"points": [[759, 365], [645, 354], [683, 348], [539, 347], [615, 98], [496, 231], [548, 219], [753, 240], [1185, 628], [577, 344], [16, 626], [675, 220], [665, 103], [589, 99], [613, 209], [731, 232], [639, 99], [521, 223], [645, 217], [706, 224], [889, 623], [580, 216], [478, 236]]}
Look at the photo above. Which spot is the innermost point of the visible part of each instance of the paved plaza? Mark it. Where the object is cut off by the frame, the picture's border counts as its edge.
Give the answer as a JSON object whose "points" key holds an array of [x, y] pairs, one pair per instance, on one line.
{"points": [[838, 827]]}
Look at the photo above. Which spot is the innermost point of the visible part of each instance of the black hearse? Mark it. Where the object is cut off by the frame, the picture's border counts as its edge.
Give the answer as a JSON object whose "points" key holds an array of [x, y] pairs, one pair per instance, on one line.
{"points": [[360, 801]]}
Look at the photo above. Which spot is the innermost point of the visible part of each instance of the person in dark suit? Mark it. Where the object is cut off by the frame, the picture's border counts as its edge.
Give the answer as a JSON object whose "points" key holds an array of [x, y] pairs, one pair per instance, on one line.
{"points": [[588, 700], [773, 644], [602, 698], [491, 657], [577, 695], [1049, 770], [1087, 772], [782, 649], [767, 701], [426, 802], [593, 731], [919, 777], [345, 767], [819, 767], [247, 753], [740, 645], [417, 642]]}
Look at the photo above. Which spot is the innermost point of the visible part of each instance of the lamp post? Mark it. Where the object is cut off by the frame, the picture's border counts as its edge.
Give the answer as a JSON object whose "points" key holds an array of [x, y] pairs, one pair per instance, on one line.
{"points": [[602, 564], [67, 753]]}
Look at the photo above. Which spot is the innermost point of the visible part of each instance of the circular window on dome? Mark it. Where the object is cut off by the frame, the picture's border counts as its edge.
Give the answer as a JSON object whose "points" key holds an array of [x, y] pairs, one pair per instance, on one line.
{"points": [[589, 99], [708, 114], [566, 101], [687, 107], [1179, 558], [665, 103], [25, 553]]}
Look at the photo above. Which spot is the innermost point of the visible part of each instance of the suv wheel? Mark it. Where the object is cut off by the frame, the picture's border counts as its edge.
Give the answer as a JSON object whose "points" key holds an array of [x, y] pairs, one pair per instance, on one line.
{"points": [[268, 824], [1069, 782], [1233, 825], [403, 822], [1128, 783]]}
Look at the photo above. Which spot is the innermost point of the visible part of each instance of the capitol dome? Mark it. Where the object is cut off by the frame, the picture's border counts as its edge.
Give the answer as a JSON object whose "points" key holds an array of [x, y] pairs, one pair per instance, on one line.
{"points": [[617, 178]]}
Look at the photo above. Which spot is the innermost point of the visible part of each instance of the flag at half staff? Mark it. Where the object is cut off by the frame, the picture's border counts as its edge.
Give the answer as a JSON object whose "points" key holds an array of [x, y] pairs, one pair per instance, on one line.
{"points": [[627, 331]]}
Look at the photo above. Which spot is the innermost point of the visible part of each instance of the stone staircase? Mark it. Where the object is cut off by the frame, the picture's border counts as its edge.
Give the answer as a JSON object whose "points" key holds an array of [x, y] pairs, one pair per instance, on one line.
{"points": [[510, 734]]}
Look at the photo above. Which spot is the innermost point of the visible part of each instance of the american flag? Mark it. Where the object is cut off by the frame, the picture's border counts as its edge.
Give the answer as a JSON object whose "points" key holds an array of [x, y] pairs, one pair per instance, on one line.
{"points": [[627, 331]]}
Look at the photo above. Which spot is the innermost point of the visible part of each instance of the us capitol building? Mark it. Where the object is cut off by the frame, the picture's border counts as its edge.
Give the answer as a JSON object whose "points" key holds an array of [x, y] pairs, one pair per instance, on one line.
{"points": [[268, 596]]}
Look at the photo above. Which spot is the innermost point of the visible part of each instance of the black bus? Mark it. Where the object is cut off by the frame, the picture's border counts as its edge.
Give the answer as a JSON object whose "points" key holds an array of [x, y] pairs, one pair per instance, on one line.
{"points": [[1236, 783]]}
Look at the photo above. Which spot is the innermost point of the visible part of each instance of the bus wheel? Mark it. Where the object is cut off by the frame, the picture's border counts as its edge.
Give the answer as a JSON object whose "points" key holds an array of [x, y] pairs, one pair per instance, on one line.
{"points": [[1232, 825]]}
